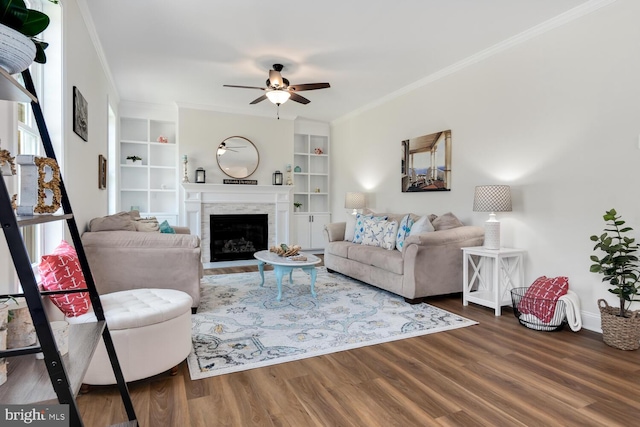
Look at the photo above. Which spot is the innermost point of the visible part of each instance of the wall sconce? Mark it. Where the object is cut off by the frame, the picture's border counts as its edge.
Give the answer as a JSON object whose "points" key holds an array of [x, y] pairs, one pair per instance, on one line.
{"points": [[200, 176], [277, 178]]}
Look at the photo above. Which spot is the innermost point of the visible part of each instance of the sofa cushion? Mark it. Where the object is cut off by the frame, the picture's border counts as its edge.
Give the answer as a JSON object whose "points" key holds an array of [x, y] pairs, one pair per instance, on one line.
{"points": [[423, 225], [359, 229], [119, 221], [446, 222], [404, 227], [124, 239], [380, 233], [61, 271], [378, 257], [350, 228], [391, 216], [166, 228], [339, 248], [146, 224]]}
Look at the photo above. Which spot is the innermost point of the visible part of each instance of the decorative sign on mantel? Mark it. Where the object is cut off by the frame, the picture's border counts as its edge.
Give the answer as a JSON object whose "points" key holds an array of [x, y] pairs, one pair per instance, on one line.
{"points": [[240, 181]]}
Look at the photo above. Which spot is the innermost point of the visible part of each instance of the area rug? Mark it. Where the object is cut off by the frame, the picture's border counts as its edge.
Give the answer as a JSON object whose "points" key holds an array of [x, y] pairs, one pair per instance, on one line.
{"points": [[240, 325]]}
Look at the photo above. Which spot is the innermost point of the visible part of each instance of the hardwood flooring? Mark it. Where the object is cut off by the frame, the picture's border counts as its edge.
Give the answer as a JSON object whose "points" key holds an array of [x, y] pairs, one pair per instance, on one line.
{"points": [[497, 373]]}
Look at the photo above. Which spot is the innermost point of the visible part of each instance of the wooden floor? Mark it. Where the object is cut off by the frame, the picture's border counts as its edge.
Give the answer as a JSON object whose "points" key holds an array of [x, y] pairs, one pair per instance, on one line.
{"points": [[497, 373]]}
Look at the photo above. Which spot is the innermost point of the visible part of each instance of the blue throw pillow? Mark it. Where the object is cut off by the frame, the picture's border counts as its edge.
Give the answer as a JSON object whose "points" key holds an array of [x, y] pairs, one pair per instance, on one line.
{"points": [[359, 231], [403, 231], [166, 228]]}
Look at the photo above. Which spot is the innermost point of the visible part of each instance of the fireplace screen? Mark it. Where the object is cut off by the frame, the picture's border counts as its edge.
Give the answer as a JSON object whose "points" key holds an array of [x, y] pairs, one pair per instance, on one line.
{"points": [[236, 237]]}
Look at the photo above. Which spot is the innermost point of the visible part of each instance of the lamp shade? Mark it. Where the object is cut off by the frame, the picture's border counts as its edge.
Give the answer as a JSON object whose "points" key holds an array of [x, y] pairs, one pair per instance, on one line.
{"points": [[278, 96], [354, 201], [492, 198]]}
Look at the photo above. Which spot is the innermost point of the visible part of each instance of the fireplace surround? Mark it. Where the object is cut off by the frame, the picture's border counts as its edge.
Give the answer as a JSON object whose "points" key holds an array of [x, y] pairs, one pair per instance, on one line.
{"points": [[202, 200]]}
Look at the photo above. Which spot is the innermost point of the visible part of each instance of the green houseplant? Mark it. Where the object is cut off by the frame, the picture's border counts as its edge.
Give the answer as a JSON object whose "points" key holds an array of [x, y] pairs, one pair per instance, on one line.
{"points": [[15, 14], [620, 269]]}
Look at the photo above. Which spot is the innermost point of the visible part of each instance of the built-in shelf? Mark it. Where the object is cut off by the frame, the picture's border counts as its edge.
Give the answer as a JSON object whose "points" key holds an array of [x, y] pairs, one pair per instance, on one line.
{"points": [[149, 185]]}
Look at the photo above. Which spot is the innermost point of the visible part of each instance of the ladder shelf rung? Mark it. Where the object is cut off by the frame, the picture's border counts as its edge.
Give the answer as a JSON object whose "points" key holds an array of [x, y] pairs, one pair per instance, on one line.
{"points": [[23, 221]]}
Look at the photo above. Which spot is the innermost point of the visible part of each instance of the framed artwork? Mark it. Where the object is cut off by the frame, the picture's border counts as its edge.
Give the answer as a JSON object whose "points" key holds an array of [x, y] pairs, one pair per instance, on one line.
{"points": [[102, 172], [426, 163], [80, 115]]}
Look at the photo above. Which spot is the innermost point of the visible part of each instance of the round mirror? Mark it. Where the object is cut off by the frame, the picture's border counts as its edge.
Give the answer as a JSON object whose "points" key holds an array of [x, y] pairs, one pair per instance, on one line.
{"points": [[237, 157]]}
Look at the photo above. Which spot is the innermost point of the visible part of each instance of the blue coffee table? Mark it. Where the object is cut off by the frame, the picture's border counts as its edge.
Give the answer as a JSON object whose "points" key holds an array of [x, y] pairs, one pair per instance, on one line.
{"points": [[283, 265]]}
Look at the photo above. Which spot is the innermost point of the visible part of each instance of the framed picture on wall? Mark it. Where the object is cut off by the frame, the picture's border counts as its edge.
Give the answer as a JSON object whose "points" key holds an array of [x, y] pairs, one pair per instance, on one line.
{"points": [[102, 172], [426, 163], [80, 115]]}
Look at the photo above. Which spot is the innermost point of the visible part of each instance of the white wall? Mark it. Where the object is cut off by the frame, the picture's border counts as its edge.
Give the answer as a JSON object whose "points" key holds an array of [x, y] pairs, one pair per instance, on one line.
{"points": [[83, 68], [201, 131], [555, 117]]}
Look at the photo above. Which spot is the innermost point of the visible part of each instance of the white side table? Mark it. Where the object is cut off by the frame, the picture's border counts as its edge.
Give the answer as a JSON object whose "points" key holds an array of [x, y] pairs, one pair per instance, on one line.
{"points": [[492, 282]]}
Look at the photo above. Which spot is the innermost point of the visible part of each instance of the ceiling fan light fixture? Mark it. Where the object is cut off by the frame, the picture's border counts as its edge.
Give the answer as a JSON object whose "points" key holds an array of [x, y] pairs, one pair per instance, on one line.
{"points": [[278, 96]]}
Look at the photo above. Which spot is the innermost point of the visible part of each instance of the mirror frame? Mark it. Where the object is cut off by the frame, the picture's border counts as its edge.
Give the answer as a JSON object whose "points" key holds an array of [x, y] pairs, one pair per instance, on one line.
{"points": [[249, 145]]}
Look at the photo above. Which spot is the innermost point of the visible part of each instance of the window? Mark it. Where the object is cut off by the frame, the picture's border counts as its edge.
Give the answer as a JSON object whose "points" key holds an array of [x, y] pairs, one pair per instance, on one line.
{"points": [[29, 143]]}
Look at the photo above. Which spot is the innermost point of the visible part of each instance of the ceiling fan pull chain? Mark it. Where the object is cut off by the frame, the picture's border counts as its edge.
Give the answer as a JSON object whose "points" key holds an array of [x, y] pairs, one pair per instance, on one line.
{"points": [[278, 111]]}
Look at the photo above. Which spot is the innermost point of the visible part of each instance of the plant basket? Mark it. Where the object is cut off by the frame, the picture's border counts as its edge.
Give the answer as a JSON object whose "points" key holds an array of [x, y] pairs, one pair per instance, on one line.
{"points": [[619, 332], [524, 307]]}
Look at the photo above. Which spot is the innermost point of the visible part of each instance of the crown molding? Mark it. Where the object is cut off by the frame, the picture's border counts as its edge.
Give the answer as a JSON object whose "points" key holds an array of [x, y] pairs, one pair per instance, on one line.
{"points": [[555, 22]]}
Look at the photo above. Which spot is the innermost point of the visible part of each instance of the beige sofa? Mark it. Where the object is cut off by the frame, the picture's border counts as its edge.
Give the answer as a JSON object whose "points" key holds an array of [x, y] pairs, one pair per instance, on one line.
{"points": [[430, 263], [124, 259]]}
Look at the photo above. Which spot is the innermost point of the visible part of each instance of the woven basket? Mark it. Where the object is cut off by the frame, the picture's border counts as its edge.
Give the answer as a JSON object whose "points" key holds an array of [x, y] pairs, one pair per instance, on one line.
{"points": [[620, 332]]}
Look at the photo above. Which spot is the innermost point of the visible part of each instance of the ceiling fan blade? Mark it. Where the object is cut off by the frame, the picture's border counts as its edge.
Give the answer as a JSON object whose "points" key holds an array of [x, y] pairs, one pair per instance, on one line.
{"points": [[275, 78], [309, 86], [298, 98], [255, 101], [245, 87]]}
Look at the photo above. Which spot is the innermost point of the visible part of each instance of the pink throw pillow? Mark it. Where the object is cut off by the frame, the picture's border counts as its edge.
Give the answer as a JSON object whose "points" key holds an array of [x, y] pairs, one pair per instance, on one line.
{"points": [[61, 271], [541, 297]]}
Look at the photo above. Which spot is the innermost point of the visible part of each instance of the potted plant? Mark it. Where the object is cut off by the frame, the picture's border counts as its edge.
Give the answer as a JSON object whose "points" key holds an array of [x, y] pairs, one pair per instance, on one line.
{"points": [[297, 206], [620, 268], [19, 27], [133, 159]]}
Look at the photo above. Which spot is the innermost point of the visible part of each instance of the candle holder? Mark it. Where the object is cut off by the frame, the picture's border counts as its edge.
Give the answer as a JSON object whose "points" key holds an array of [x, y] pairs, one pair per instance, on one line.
{"points": [[185, 177]]}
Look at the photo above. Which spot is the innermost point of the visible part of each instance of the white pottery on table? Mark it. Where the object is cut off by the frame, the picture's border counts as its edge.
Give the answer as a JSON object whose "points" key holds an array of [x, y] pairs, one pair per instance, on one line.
{"points": [[17, 51]]}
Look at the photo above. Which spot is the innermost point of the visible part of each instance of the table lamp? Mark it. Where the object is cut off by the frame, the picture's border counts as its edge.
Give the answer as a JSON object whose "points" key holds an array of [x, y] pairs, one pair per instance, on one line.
{"points": [[354, 201], [492, 198]]}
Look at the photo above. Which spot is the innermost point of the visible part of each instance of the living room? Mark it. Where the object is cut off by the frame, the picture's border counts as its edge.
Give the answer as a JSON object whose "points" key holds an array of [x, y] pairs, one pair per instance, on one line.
{"points": [[542, 112]]}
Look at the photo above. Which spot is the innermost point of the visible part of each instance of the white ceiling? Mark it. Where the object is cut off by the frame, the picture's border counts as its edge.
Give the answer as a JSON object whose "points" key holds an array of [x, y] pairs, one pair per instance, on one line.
{"points": [[167, 52]]}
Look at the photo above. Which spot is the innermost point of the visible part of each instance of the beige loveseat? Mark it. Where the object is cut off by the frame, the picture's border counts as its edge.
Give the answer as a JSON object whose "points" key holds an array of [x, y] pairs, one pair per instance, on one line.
{"points": [[127, 259], [430, 263]]}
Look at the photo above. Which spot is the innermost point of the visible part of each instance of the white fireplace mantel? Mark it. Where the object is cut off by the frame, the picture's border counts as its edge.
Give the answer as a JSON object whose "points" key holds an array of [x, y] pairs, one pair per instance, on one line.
{"points": [[196, 196]]}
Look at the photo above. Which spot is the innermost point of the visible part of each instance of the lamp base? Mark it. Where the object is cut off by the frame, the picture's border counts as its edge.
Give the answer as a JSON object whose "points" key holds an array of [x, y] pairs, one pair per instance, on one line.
{"points": [[492, 233]]}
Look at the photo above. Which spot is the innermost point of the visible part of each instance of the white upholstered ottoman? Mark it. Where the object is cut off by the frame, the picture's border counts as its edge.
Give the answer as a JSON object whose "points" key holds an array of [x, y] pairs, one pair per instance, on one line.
{"points": [[151, 331]]}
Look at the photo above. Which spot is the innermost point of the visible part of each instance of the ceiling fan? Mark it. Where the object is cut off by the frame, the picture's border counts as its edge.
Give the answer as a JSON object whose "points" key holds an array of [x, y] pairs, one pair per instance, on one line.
{"points": [[279, 90]]}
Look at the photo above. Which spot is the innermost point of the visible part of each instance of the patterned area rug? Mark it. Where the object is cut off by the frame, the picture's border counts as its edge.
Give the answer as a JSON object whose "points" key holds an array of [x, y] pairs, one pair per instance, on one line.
{"points": [[240, 325]]}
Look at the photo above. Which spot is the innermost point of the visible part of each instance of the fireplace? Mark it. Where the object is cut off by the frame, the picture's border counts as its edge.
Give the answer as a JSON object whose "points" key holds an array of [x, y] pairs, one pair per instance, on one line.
{"points": [[237, 237]]}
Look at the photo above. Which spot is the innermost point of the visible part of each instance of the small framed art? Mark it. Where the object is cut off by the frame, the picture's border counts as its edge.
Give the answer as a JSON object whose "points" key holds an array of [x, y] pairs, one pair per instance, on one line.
{"points": [[80, 115]]}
